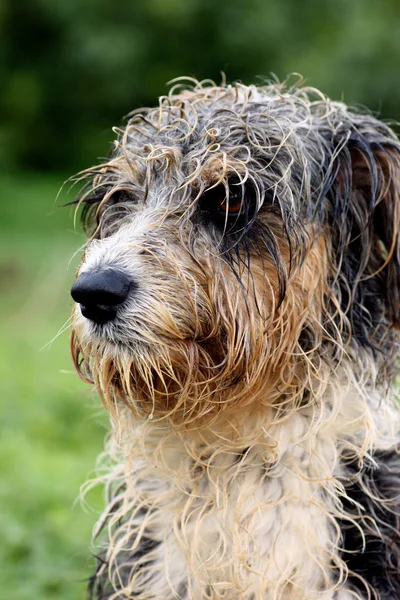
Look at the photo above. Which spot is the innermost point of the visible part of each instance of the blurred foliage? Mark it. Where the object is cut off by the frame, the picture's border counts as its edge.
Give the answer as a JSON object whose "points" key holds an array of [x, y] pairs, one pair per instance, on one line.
{"points": [[52, 425], [71, 69]]}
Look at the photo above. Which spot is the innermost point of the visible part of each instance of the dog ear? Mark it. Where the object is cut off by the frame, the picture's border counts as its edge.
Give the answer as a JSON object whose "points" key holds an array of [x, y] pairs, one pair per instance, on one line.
{"points": [[365, 222]]}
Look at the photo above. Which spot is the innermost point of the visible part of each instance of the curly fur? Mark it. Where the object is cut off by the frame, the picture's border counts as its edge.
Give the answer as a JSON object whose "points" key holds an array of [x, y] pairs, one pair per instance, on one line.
{"points": [[250, 375]]}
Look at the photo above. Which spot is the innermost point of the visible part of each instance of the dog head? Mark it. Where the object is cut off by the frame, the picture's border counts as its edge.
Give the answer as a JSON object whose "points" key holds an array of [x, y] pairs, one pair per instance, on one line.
{"points": [[241, 239]]}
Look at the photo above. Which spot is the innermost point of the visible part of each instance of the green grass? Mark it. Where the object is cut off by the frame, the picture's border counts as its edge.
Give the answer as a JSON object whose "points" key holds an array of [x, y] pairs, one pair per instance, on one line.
{"points": [[52, 424]]}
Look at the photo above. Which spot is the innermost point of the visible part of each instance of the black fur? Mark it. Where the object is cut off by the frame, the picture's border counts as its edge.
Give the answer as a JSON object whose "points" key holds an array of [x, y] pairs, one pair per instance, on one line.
{"points": [[100, 586], [365, 223], [377, 560]]}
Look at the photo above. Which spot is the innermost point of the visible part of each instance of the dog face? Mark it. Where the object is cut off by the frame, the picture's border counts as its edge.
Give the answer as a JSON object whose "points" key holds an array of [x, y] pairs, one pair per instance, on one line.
{"points": [[242, 238]]}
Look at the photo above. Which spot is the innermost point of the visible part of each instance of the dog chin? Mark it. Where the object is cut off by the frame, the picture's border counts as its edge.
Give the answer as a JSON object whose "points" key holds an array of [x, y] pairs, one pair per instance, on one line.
{"points": [[164, 379]]}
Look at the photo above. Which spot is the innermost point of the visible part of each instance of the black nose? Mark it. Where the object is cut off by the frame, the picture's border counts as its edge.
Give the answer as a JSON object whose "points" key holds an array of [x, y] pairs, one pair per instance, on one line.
{"points": [[100, 292]]}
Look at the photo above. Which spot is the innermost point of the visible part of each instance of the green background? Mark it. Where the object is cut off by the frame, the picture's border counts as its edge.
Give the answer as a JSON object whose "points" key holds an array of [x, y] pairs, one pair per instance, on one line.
{"points": [[69, 71]]}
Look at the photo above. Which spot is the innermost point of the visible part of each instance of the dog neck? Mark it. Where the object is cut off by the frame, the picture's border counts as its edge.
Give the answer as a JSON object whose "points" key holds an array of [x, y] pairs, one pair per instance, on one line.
{"points": [[219, 500]]}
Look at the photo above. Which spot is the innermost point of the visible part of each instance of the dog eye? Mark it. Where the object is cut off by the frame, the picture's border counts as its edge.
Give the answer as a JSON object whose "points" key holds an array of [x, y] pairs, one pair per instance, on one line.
{"points": [[230, 205], [226, 201], [119, 197]]}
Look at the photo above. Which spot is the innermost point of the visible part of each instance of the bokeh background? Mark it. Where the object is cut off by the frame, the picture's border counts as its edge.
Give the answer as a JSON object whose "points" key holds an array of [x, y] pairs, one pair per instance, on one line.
{"points": [[69, 71]]}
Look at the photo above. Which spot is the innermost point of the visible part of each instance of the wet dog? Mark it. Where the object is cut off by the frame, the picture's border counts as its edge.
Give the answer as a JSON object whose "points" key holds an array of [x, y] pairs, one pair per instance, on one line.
{"points": [[238, 309]]}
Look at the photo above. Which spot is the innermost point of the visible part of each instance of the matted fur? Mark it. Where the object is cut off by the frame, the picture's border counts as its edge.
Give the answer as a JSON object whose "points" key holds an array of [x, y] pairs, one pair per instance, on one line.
{"points": [[249, 375]]}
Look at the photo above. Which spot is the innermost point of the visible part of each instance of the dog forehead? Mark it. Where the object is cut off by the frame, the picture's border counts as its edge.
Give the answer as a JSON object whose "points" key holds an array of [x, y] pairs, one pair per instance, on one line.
{"points": [[213, 130], [226, 116], [280, 141]]}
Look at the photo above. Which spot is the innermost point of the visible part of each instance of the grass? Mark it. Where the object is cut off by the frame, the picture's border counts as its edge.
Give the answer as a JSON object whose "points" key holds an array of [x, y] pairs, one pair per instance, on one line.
{"points": [[52, 424]]}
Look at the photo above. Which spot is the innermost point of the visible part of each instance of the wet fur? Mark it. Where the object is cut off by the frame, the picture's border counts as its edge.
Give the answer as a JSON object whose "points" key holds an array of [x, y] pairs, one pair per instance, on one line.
{"points": [[250, 376]]}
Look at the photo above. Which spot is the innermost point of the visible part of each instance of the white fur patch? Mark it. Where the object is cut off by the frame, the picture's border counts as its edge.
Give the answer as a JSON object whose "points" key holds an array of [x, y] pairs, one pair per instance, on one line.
{"points": [[255, 525]]}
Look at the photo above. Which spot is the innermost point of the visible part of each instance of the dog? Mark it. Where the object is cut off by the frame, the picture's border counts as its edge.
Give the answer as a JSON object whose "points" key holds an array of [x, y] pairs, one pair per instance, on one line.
{"points": [[238, 310]]}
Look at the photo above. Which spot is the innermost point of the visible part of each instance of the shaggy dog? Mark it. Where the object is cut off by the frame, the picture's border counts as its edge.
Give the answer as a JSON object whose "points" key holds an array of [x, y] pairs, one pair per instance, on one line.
{"points": [[239, 315]]}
